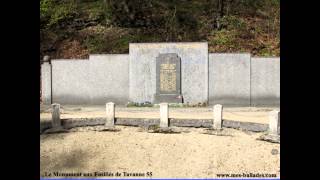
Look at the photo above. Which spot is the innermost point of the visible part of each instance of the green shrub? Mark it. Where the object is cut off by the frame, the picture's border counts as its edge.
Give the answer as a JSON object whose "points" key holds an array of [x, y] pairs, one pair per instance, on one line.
{"points": [[223, 37], [54, 12], [232, 22], [45, 6], [95, 43]]}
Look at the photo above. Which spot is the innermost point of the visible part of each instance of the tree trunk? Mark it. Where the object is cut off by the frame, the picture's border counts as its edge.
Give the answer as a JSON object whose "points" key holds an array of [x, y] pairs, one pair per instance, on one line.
{"points": [[220, 12]]}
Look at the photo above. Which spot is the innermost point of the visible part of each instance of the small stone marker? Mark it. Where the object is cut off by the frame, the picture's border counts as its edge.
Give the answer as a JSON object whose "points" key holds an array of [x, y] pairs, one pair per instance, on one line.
{"points": [[110, 118], [274, 120], [46, 58], [56, 121], [110, 113], [217, 116], [164, 115], [273, 134]]}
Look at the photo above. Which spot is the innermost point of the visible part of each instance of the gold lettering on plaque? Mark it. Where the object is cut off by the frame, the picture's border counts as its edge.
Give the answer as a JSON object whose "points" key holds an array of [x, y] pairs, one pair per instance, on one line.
{"points": [[168, 77]]}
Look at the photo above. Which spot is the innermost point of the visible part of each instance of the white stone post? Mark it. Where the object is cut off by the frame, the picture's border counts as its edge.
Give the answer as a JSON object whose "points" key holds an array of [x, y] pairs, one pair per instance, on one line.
{"points": [[46, 80], [164, 115], [274, 122], [56, 121], [110, 113], [217, 116]]}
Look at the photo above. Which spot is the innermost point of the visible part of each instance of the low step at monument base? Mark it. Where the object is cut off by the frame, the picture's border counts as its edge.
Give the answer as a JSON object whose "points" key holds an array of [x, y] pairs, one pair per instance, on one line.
{"points": [[106, 128], [270, 138], [217, 132], [55, 130], [168, 98], [166, 130]]}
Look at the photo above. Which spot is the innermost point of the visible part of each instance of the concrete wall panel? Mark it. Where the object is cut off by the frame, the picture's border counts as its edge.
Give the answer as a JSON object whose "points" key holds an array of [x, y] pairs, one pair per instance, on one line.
{"points": [[265, 81], [229, 79], [100, 79]]}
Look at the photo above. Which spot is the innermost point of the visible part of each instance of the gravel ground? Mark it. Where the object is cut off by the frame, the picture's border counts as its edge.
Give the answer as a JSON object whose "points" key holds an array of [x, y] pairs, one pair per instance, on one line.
{"points": [[133, 150]]}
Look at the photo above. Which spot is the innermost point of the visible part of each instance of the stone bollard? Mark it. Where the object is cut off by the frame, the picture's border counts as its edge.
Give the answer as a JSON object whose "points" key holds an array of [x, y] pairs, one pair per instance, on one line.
{"points": [[217, 116], [164, 115], [46, 72], [273, 134], [110, 113], [274, 123], [56, 121], [46, 58]]}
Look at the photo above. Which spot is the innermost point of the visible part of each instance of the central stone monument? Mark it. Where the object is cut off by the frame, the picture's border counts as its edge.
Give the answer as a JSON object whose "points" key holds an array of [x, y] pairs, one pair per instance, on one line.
{"points": [[190, 67], [168, 76]]}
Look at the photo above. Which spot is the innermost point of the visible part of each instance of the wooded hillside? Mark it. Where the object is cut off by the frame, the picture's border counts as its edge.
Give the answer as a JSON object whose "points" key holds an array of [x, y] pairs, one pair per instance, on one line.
{"points": [[76, 28]]}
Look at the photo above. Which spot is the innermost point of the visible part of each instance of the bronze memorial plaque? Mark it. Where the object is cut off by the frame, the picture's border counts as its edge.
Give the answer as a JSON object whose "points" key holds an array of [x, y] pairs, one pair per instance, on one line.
{"points": [[168, 78]]}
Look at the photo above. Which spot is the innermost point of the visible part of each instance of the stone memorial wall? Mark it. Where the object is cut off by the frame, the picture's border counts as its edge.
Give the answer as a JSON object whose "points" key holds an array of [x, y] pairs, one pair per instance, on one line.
{"points": [[163, 72]]}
